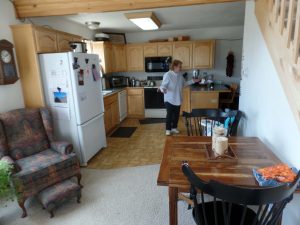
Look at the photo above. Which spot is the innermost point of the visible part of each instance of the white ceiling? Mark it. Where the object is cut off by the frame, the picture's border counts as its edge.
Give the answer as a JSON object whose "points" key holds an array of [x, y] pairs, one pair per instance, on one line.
{"points": [[173, 18]]}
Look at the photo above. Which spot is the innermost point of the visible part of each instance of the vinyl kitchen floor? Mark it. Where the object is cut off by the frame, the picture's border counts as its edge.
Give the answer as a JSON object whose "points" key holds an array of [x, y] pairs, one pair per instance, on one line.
{"points": [[144, 147]]}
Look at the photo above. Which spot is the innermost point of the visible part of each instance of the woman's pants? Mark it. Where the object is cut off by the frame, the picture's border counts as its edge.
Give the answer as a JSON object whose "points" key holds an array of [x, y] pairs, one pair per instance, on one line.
{"points": [[173, 112]]}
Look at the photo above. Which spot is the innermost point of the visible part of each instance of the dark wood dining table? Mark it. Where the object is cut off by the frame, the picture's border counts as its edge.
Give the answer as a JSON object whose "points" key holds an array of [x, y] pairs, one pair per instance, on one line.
{"points": [[251, 153]]}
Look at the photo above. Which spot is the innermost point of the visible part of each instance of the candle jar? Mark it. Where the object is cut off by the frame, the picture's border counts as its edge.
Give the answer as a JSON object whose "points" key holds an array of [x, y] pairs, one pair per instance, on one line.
{"points": [[217, 132], [221, 145]]}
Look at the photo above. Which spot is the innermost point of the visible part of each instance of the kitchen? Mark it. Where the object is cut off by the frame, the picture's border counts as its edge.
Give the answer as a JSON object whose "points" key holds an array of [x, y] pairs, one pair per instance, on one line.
{"points": [[133, 62], [111, 118]]}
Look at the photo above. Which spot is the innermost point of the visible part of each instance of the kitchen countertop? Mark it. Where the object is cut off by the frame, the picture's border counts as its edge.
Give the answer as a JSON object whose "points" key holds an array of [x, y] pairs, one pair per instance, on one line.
{"points": [[217, 88], [113, 91]]}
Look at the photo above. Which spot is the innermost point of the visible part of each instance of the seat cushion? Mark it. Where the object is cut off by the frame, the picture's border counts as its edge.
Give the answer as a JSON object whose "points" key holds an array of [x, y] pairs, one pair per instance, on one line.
{"points": [[235, 218], [25, 132], [43, 164], [57, 193]]}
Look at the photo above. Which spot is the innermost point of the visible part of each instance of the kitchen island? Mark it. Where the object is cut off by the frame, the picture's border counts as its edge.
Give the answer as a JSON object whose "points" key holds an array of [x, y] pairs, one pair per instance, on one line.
{"points": [[202, 97]]}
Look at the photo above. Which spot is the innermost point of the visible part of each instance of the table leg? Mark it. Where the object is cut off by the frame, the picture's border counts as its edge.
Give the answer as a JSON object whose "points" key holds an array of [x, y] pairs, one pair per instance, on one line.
{"points": [[173, 198]]}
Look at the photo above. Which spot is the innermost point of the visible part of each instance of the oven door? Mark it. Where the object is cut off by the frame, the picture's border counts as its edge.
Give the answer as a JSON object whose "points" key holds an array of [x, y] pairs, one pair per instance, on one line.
{"points": [[153, 99]]}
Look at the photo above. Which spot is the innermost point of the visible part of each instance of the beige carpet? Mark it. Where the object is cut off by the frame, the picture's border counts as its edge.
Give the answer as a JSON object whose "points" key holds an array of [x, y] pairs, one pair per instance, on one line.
{"points": [[127, 196]]}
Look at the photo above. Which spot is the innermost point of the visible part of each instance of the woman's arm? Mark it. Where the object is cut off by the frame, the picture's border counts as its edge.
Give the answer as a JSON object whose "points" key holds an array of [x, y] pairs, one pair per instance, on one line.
{"points": [[165, 83], [190, 82]]}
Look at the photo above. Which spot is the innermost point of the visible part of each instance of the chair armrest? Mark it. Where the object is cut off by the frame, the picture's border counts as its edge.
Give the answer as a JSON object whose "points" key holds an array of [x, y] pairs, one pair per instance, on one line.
{"points": [[9, 160], [62, 147]]}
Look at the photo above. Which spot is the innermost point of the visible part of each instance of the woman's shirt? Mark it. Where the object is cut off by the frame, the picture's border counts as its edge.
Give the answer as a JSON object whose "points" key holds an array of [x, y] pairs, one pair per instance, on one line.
{"points": [[174, 84]]}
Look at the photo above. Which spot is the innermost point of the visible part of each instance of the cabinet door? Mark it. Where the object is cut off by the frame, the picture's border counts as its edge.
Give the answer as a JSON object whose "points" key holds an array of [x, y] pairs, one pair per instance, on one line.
{"points": [[64, 42], [135, 102], [46, 41], [186, 104], [150, 50], [108, 58], [135, 57], [164, 50], [104, 50], [136, 106], [203, 54], [77, 39], [119, 58], [183, 52], [108, 118], [204, 100], [115, 114]]}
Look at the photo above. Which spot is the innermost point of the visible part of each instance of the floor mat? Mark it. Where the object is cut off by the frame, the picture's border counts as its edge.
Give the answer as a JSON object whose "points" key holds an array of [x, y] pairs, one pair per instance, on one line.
{"points": [[152, 120], [123, 132]]}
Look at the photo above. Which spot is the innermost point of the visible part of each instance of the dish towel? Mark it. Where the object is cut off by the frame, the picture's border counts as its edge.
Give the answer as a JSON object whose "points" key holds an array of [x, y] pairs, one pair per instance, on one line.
{"points": [[269, 182]]}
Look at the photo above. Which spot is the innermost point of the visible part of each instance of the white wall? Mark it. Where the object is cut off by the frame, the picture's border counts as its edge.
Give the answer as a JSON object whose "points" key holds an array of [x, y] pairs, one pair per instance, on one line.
{"points": [[10, 95], [264, 102], [65, 25], [228, 39]]}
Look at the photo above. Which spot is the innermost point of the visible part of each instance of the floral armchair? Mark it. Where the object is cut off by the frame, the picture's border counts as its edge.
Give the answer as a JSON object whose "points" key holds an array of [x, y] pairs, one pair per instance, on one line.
{"points": [[27, 142]]}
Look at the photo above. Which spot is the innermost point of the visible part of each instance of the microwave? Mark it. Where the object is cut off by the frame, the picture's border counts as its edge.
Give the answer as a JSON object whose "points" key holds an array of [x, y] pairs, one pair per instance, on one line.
{"points": [[157, 64], [119, 81]]}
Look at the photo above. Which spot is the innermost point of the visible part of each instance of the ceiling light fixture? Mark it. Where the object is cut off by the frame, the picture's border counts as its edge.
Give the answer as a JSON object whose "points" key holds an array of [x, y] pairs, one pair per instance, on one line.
{"points": [[93, 25], [144, 20]]}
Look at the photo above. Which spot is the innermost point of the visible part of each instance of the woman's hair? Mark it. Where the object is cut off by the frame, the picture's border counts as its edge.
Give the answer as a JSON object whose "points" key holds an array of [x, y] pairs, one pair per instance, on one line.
{"points": [[175, 63]]}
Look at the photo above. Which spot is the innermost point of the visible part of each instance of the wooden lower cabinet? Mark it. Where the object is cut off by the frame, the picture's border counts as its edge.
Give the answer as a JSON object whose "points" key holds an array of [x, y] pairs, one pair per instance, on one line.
{"points": [[111, 113], [186, 103], [135, 102], [204, 100]]}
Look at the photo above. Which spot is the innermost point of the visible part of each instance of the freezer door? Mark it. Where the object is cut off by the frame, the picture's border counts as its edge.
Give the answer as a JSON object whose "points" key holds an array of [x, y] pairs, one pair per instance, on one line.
{"points": [[86, 89], [91, 137]]}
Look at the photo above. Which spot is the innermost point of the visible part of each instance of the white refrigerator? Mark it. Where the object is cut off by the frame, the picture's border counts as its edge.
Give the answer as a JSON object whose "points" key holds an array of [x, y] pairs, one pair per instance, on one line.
{"points": [[73, 92]]}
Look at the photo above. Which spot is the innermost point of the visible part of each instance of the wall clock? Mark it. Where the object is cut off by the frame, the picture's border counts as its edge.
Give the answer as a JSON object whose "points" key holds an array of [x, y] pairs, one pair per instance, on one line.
{"points": [[8, 71]]}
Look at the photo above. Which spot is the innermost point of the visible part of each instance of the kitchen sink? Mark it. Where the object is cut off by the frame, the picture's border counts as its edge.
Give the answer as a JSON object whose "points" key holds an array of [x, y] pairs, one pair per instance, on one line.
{"points": [[106, 92]]}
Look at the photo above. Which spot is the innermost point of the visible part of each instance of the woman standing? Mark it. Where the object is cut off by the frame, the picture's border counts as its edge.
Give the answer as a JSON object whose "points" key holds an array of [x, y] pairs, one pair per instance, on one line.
{"points": [[172, 85]]}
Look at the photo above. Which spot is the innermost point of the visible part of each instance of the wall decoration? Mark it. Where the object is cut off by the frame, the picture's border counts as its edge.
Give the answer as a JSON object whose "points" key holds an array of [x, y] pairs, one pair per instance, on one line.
{"points": [[117, 38], [8, 71], [230, 64]]}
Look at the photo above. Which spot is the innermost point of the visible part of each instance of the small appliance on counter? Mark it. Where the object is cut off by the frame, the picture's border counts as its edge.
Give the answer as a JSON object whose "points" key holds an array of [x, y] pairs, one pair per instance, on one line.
{"points": [[78, 46], [154, 81], [119, 81]]}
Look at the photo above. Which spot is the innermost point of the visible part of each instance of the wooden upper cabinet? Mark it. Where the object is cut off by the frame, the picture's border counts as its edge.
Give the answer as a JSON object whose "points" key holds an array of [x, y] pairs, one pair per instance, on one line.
{"points": [[183, 51], [105, 52], [164, 49], [150, 50], [46, 41], [203, 54], [135, 57], [119, 58], [63, 42]]}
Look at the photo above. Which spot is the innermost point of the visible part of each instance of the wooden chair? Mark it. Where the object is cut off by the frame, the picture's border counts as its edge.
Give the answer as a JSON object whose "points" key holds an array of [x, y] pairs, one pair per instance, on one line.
{"points": [[200, 122], [230, 204], [227, 102]]}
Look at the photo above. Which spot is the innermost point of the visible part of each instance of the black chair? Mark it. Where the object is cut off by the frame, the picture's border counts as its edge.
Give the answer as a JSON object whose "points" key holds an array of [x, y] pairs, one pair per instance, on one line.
{"points": [[200, 122], [230, 204]]}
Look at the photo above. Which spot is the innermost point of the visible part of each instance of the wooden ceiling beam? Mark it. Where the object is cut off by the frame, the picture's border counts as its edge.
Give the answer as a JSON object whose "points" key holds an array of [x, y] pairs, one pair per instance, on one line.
{"points": [[42, 8]]}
